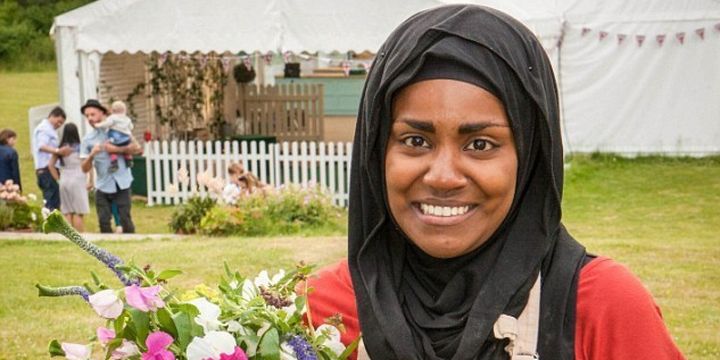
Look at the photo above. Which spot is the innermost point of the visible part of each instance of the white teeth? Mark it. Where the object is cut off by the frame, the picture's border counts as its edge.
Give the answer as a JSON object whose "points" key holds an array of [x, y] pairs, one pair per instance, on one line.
{"points": [[444, 211]]}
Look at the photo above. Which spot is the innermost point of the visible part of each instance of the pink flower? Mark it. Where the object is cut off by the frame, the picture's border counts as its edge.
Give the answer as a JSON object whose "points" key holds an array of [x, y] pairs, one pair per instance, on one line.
{"points": [[104, 335], [157, 344], [106, 304], [239, 354], [126, 350], [144, 299], [76, 351]]}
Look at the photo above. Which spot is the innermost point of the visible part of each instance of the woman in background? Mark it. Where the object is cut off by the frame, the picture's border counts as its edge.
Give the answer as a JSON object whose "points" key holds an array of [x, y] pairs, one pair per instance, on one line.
{"points": [[9, 165], [74, 203]]}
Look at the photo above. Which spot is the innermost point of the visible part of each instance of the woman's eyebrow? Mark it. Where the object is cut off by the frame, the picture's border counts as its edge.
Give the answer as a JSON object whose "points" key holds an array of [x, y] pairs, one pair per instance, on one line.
{"points": [[421, 125], [469, 128]]}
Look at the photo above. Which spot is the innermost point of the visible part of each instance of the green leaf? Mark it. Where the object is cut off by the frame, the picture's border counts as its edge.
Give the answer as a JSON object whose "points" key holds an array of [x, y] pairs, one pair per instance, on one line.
{"points": [[55, 349], [187, 328], [269, 347], [166, 322], [141, 324], [168, 274], [350, 348], [251, 344]]}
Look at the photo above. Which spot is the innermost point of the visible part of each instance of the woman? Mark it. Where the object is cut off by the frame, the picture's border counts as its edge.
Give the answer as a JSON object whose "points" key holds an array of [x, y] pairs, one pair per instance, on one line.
{"points": [[9, 165], [456, 249], [74, 203]]}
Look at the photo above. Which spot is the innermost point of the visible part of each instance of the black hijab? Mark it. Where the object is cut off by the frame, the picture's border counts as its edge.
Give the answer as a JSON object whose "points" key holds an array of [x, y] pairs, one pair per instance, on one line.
{"points": [[414, 306]]}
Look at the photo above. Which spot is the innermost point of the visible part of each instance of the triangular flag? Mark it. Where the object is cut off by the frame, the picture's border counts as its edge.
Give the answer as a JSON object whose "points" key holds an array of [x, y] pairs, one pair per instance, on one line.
{"points": [[660, 39], [701, 33], [640, 39], [603, 35], [621, 38], [681, 37], [585, 31]]}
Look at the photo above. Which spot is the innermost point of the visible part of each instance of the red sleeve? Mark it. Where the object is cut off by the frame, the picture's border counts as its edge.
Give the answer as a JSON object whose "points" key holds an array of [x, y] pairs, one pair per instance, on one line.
{"points": [[617, 317], [331, 294]]}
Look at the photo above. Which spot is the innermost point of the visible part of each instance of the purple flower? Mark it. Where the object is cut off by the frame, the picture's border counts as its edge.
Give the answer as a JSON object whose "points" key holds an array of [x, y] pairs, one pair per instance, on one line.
{"points": [[303, 350]]}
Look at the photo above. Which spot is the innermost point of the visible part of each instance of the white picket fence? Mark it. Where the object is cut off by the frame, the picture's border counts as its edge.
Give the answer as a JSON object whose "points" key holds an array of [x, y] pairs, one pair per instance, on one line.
{"points": [[327, 164]]}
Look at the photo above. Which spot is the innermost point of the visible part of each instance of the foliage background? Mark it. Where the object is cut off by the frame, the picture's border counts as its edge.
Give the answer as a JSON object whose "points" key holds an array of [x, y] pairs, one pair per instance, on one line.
{"points": [[25, 42]]}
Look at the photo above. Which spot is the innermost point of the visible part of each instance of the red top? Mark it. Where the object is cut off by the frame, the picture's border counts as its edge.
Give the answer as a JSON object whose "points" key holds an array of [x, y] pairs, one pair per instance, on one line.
{"points": [[616, 316]]}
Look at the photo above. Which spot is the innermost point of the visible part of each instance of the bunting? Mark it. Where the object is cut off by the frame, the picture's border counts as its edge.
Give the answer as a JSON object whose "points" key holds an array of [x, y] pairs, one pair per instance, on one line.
{"points": [[680, 36]]}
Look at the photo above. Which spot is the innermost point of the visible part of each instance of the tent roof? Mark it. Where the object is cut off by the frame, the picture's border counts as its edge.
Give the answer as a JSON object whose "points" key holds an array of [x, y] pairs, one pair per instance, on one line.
{"points": [[233, 26]]}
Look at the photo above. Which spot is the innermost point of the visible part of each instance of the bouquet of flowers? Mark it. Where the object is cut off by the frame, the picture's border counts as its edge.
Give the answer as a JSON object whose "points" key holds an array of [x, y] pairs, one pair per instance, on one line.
{"points": [[262, 318]]}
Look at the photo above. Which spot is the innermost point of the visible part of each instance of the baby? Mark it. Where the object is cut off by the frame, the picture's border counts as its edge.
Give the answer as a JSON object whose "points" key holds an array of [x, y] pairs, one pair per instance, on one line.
{"points": [[119, 131]]}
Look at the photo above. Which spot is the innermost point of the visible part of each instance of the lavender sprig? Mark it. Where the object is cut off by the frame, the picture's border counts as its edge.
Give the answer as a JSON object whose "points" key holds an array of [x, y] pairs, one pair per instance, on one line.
{"points": [[303, 350], [63, 291], [56, 223]]}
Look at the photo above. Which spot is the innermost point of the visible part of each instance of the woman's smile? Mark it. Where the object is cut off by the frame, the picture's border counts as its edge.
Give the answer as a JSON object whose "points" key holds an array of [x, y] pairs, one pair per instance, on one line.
{"points": [[439, 213]]}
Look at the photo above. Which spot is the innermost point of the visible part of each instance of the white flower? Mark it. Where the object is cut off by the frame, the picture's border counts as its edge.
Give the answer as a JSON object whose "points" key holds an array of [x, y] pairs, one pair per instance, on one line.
{"points": [[182, 176], [204, 177], [45, 212], [126, 350], [209, 314], [33, 217], [264, 280], [286, 351], [332, 341], [249, 291], [106, 303], [211, 346], [76, 351], [32, 196]]}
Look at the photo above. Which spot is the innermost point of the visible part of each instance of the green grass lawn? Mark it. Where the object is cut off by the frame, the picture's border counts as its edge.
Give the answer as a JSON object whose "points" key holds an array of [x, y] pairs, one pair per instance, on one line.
{"points": [[658, 216]]}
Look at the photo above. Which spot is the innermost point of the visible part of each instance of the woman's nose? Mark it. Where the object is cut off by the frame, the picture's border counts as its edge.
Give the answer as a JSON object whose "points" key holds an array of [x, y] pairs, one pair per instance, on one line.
{"points": [[444, 172]]}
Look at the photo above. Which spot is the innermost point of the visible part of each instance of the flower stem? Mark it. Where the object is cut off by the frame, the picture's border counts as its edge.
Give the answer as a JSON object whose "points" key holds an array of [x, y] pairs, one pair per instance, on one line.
{"points": [[56, 223], [44, 290]]}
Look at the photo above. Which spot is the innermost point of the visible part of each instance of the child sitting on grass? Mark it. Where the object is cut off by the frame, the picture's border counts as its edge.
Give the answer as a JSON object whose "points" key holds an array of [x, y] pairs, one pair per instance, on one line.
{"points": [[119, 131]]}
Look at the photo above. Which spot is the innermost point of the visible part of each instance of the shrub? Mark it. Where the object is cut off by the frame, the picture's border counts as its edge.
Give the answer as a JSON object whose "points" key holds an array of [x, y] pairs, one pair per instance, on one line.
{"points": [[186, 219], [26, 216], [221, 221], [289, 210], [6, 216]]}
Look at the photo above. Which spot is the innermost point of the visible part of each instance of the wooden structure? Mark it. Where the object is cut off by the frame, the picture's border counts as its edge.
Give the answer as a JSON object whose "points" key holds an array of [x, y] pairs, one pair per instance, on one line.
{"points": [[290, 112]]}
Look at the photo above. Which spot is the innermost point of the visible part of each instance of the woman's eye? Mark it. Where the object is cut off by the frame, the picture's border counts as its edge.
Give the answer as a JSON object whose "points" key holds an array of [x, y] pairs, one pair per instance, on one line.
{"points": [[415, 141], [479, 145]]}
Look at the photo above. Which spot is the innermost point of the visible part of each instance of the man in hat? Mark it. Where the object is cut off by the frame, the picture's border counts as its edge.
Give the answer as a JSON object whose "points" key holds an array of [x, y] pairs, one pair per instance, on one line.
{"points": [[45, 144], [110, 187]]}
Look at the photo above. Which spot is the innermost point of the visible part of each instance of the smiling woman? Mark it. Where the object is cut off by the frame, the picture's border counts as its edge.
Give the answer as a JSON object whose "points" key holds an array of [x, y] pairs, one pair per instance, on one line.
{"points": [[456, 246]]}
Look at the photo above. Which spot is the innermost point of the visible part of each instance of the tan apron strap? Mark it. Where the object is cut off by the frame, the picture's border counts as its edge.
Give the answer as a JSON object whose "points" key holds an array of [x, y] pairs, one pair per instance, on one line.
{"points": [[523, 331]]}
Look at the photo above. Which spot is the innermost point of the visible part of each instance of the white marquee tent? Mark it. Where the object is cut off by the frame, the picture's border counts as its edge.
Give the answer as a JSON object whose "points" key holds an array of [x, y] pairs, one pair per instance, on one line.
{"points": [[635, 77]]}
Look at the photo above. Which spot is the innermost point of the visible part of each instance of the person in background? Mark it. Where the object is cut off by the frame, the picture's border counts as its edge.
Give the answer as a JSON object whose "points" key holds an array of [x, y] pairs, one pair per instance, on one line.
{"points": [[44, 145], [74, 202], [9, 165], [110, 187], [119, 131]]}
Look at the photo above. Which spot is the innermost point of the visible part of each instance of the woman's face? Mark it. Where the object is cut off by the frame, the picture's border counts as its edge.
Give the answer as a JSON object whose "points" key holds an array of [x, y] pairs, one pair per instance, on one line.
{"points": [[11, 141], [450, 167]]}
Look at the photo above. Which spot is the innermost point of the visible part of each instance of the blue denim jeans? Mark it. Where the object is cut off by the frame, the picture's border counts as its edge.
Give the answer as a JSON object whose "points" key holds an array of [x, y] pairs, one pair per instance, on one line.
{"points": [[49, 188]]}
